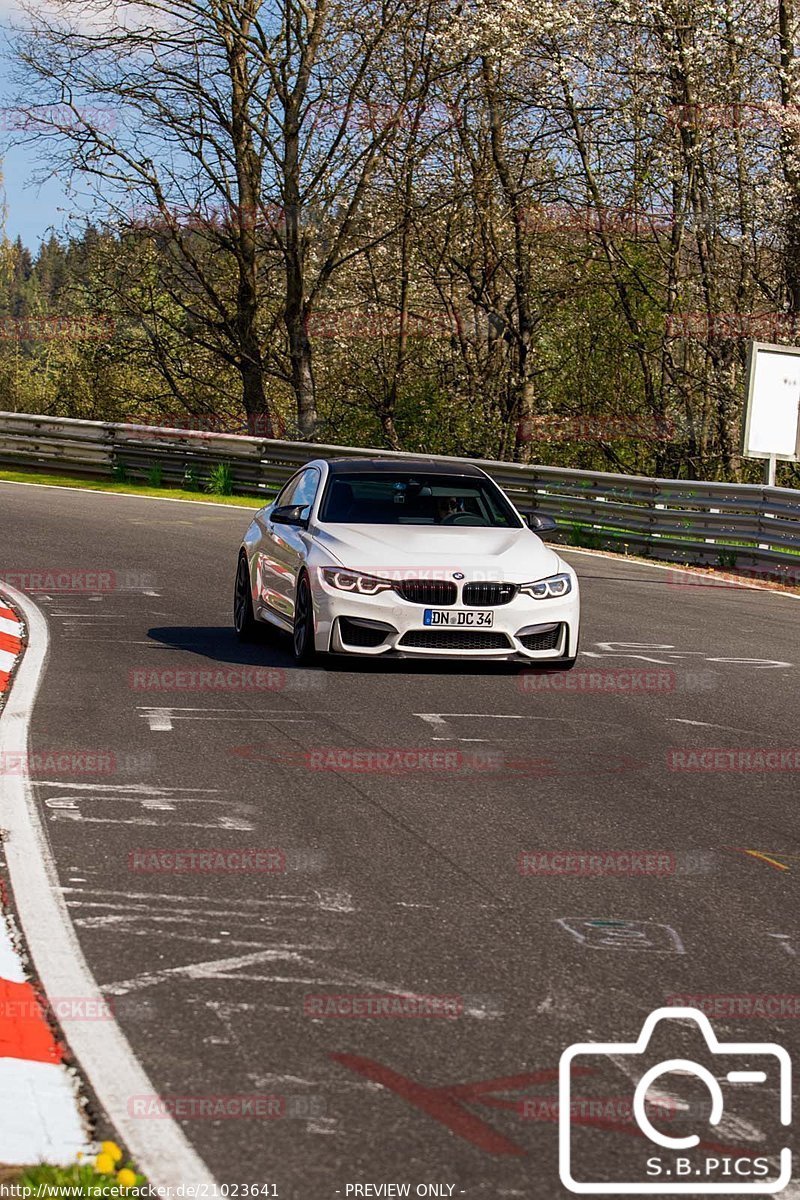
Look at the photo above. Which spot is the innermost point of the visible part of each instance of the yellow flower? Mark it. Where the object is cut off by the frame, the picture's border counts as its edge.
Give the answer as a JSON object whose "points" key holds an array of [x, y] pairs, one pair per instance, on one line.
{"points": [[104, 1164], [112, 1150], [126, 1178]]}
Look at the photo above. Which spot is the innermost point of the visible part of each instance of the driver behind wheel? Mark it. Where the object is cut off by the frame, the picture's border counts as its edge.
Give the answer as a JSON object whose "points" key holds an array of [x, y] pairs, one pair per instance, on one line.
{"points": [[444, 507]]}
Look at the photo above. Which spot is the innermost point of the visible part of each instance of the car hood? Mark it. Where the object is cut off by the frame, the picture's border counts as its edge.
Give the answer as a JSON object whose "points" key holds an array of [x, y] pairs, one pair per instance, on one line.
{"points": [[516, 555]]}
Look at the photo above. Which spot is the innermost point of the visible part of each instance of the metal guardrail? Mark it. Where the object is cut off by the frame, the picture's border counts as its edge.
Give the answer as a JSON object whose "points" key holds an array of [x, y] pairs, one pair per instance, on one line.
{"points": [[723, 524]]}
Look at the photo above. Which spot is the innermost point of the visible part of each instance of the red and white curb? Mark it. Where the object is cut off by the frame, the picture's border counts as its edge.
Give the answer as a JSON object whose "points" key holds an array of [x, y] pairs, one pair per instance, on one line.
{"points": [[40, 1113], [40, 1118], [12, 633]]}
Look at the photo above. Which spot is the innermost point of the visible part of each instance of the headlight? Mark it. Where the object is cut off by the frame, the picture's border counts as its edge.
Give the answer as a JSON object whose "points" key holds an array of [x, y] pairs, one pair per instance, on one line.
{"points": [[354, 581], [545, 589]]}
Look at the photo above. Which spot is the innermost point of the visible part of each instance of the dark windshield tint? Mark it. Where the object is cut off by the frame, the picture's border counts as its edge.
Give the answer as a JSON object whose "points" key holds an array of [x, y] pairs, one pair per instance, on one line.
{"points": [[418, 498]]}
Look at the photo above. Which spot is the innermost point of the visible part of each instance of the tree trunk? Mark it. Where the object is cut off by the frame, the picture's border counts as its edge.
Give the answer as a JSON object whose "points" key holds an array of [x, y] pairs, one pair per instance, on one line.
{"points": [[296, 310], [248, 179], [790, 149]]}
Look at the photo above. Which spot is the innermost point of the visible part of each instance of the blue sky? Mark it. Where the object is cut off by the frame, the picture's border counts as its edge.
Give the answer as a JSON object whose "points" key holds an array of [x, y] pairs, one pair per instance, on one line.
{"points": [[31, 209]]}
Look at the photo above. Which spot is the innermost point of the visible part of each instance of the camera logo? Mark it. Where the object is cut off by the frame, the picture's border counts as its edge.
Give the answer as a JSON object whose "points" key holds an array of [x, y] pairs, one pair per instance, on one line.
{"points": [[684, 1163]]}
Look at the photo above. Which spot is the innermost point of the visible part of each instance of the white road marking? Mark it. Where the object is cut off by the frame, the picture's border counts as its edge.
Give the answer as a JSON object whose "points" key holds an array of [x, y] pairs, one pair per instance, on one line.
{"points": [[86, 622], [600, 933], [201, 900], [321, 1125], [71, 814], [631, 650], [150, 912], [786, 942], [68, 808], [160, 719], [331, 900], [159, 1148], [439, 717], [710, 725], [443, 723], [216, 968], [86, 616], [125, 641], [9, 626], [142, 789]]}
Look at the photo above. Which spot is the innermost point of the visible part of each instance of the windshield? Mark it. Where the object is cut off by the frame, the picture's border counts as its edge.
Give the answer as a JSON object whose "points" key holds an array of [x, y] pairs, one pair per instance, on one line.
{"points": [[415, 498]]}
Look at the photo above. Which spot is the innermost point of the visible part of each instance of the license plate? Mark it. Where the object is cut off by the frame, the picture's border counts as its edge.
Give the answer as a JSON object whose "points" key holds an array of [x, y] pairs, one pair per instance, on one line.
{"points": [[447, 616]]}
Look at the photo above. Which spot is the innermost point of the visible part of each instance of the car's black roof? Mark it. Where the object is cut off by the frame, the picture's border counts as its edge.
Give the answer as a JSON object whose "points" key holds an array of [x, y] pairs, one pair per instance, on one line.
{"points": [[356, 466]]}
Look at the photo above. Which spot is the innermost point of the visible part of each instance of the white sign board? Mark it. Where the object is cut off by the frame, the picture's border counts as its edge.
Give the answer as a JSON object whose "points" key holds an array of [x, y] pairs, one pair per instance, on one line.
{"points": [[772, 421]]}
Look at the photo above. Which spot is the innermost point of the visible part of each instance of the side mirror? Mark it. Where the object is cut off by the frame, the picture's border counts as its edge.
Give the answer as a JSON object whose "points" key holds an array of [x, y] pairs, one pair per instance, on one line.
{"points": [[539, 523], [291, 514]]}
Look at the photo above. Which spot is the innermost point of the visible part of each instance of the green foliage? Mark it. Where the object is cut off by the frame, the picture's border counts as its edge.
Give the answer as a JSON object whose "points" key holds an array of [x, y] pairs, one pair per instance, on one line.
{"points": [[129, 489], [155, 475], [46, 1182], [220, 480], [590, 539], [444, 395], [191, 481]]}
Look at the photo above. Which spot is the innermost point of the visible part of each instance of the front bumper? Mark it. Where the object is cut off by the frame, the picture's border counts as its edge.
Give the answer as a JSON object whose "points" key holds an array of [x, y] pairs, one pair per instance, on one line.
{"points": [[524, 629]]}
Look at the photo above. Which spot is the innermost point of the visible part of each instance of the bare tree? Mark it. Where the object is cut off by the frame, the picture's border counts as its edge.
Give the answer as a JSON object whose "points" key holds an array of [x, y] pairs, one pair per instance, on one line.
{"points": [[243, 132]]}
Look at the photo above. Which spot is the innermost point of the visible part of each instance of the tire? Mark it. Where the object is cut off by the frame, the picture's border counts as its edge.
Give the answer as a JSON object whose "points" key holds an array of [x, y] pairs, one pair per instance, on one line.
{"points": [[303, 637], [244, 621]]}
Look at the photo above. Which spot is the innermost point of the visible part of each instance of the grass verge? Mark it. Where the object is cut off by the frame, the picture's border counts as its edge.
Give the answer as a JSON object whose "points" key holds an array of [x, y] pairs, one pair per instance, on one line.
{"points": [[104, 1175], [130, 489], [55, 1183]]}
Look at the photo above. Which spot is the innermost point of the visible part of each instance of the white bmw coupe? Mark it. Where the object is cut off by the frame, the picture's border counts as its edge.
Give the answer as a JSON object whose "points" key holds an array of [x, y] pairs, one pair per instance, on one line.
{"points": [[406, 558]]}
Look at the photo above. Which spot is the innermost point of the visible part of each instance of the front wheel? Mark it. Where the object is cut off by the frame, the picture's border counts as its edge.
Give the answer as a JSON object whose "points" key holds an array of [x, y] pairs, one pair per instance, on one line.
{"points": [[244, 621], [303, 641]]}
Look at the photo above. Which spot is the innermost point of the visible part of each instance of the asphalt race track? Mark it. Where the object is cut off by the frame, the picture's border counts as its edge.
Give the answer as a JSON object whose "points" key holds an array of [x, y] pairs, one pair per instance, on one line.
{"points": [[430, 875]]}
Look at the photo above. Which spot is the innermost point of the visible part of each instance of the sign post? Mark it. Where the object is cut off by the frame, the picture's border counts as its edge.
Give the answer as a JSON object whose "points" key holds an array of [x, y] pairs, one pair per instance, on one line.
{"points": [[772, 416]]}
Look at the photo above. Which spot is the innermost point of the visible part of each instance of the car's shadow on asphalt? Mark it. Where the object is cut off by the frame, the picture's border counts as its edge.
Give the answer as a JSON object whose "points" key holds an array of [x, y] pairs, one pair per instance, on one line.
{"points": [[273, 649]]}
